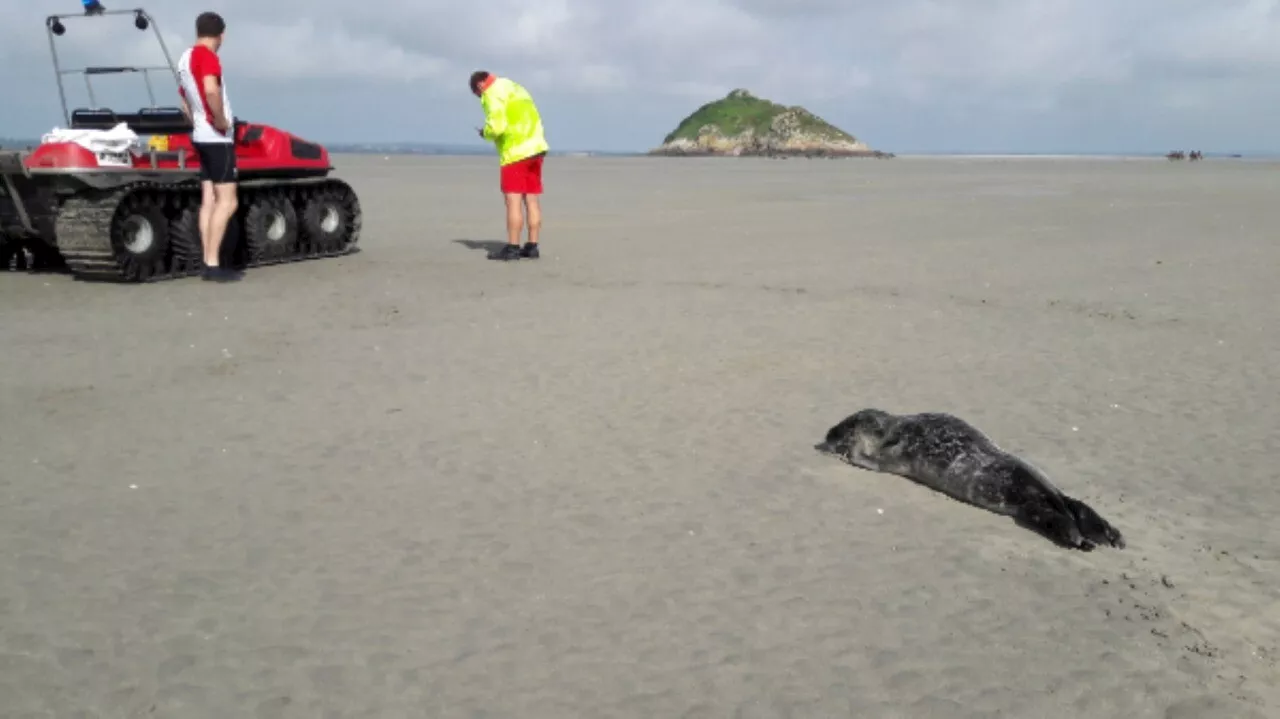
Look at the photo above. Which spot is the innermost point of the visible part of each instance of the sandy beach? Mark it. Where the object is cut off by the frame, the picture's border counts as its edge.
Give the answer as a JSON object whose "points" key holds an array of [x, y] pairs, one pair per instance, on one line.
{"points": [[416, 483]]}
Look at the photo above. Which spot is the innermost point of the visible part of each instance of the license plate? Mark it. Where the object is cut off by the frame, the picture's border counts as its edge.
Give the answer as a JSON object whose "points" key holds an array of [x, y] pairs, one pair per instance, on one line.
{"points": [[114, 159]]}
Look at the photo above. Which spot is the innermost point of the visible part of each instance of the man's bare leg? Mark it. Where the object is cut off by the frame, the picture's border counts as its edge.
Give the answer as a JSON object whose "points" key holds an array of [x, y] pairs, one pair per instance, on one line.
{"points": [[534, 209], [206, 214], [516, 203], [225, 205], [534, 212], [515, 217]]}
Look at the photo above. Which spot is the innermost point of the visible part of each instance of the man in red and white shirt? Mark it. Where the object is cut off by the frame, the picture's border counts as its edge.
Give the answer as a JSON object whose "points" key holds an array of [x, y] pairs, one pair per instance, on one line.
{"points": [[204, 100]]}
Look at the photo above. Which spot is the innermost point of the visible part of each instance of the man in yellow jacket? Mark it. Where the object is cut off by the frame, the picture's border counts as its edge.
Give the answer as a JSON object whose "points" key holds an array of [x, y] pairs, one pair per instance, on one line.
{"points": [[513, 125]]}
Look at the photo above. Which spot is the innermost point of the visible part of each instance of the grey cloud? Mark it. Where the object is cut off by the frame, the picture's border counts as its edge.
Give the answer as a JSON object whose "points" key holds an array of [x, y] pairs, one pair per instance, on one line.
{"points": [[621, 73]]}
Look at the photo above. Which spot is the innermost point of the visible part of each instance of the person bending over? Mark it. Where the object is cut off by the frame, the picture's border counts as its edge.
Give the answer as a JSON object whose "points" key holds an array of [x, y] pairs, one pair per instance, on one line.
{"points": [[513, 125]]}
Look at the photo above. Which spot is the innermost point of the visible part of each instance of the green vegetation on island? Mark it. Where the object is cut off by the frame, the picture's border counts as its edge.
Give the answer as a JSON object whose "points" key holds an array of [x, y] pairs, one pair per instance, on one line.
{"points": [[741, 124]]}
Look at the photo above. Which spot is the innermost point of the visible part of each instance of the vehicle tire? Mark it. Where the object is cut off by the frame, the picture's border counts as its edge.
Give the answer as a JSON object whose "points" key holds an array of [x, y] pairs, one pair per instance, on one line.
{"points": [[140, 237], [326, 222], [270, 228], [355, 217], [184, 238]]}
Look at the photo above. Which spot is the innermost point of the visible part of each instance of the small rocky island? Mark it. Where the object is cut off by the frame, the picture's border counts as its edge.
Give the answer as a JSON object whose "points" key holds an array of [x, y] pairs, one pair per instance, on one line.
{"points": [[743, 125]]}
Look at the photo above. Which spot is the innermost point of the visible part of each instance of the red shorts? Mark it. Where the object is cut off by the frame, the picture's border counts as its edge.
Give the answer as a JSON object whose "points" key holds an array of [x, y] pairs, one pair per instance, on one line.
{"points": [[523, 176]]}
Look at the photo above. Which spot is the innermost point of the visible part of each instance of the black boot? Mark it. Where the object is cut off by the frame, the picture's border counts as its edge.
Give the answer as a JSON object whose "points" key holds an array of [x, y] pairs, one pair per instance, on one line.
{"points": [[508, 252], [220, 274], [529, 251]]}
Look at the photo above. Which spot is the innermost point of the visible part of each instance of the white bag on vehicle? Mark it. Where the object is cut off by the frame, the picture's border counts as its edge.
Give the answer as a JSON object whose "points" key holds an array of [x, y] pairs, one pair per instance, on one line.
{"points": [[110, 146]]}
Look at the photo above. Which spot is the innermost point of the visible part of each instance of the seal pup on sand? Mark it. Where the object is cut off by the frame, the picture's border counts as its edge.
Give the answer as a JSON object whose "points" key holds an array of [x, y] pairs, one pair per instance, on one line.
{"points": [[949, 455]]}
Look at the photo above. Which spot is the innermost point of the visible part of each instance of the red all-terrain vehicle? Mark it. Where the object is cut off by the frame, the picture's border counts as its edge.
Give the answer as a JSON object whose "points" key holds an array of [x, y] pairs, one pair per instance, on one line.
{"points": [[133, 216]]}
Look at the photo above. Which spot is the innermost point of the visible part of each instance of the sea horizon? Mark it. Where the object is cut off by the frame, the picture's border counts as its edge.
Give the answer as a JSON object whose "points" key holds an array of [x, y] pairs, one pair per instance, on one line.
{"points": [[464, 150]]}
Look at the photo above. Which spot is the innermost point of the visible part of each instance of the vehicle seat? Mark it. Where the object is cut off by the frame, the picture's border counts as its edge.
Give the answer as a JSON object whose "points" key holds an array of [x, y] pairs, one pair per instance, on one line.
{"points": [[146, 121]]}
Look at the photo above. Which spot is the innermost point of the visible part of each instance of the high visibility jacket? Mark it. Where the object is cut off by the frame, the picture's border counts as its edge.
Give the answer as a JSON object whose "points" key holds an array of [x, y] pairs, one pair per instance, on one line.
{"points": [[511, 121]]}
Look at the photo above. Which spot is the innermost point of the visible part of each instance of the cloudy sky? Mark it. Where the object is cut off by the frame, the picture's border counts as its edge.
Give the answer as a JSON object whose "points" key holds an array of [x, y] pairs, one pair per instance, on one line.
{"points": [[903, 75]]}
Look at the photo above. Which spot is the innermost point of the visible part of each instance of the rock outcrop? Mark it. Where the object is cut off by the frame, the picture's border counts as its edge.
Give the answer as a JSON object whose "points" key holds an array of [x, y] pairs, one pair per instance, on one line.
{"points": [[743, 125]]}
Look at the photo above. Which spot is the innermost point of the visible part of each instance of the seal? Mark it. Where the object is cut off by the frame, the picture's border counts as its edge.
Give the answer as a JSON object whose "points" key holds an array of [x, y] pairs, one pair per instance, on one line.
{"points": [[949, 455]]}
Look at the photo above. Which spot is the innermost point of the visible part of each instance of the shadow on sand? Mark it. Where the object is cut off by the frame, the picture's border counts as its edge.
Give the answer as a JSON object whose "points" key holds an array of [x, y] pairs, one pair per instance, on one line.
{"points": [[488, 246]]}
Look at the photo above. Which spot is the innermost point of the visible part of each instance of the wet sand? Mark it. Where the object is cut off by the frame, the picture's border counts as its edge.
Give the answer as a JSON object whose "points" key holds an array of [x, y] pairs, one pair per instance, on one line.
{"points": [[413, 482]]}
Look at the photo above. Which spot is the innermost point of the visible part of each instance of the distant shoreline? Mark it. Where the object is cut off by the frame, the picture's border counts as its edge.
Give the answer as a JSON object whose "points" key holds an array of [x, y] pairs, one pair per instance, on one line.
{"points": [[339, 150], [444, 150]]}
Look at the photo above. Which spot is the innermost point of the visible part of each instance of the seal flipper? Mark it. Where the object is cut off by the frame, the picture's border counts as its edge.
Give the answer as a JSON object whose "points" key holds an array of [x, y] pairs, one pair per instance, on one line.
{"points": [[1092, 525], [1041, 516]]}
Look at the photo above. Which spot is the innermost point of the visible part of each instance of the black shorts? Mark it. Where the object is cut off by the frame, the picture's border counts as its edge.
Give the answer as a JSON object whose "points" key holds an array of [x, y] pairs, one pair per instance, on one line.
{"points": [[217, 161]]}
